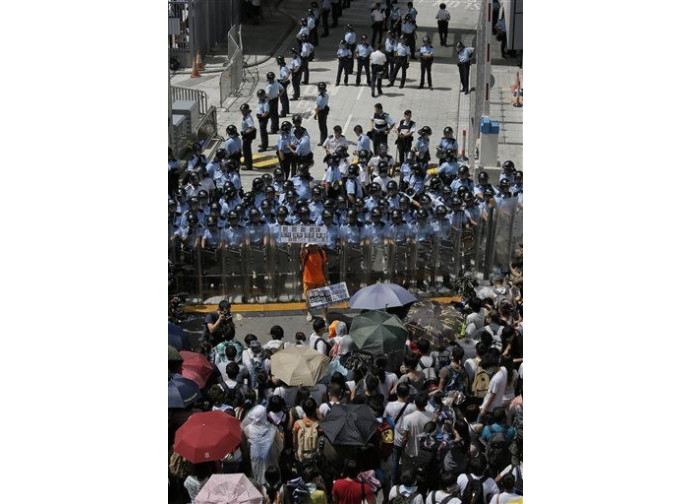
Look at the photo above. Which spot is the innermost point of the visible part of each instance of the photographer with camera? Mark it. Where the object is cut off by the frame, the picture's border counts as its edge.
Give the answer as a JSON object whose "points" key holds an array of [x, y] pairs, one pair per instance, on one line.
{"points": [[217, 322]]}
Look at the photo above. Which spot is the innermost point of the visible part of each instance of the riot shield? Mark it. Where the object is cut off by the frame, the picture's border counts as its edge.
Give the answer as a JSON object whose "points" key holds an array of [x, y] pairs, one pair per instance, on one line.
{"points": [[483, 232], [504, 217], [234, 276], [352, 258], [517, 229], [211, 273], [256, 255]]}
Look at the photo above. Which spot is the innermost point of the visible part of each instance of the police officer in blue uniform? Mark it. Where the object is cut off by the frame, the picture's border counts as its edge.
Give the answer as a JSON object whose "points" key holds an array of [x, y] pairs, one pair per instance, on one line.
{"points": [[362, 52], [304, 182], [248, 134], [508, 172], [449, 168], [344, 56], [448, 142], [373, 238], [401, 62], [273, 91], [284, 80], [426, 58], [463, 180], [389, 46], [421, 146], [464, 61], [482, 185], [285, 155], [301, 149], [296, 72], [422, 234], [321, 111], [263, 113], [353, 187]]}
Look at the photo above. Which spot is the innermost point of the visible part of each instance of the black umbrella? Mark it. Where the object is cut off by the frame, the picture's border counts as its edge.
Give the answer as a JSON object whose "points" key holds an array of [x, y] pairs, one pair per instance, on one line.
{"points": [[349, 424], [178, 337]]}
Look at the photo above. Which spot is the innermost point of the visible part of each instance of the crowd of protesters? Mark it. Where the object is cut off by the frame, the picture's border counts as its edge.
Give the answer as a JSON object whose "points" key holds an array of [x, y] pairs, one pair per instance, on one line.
{"points": [[449, 418]]}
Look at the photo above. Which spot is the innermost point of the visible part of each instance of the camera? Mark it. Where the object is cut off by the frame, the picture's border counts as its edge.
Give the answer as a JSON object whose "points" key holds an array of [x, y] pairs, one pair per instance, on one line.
{"points": [[226, 316]]}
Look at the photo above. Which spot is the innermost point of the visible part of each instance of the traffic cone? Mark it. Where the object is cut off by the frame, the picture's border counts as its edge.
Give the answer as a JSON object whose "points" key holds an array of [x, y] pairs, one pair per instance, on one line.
{"points": [[197, 66]]}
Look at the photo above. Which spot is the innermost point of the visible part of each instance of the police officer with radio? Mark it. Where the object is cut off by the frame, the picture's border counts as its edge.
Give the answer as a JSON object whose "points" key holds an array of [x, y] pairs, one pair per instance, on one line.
{"points": [[248, 134]]}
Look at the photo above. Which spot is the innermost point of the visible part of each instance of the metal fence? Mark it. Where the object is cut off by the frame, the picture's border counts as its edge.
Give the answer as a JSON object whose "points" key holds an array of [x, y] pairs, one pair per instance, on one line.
{"points": [[207, 129], [198, 26], [232, 76], [180, 93], [272, 274]]}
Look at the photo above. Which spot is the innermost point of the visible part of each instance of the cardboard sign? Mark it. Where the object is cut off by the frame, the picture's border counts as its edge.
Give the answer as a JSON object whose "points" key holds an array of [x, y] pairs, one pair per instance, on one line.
{"points": [[303, 234], [327, 296]]}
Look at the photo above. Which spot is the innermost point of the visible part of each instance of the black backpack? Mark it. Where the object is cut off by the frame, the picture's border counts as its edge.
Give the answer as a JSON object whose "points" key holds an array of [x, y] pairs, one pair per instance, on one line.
{"points": [[498, 449], [474, 491], [457, 380], [445, 500], [401, 499], [328, 345]]}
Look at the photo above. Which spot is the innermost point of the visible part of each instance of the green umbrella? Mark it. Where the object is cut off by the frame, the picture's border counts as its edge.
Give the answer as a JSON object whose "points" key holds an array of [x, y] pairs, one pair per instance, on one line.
{"points": [[173, 354], [377, 332]]}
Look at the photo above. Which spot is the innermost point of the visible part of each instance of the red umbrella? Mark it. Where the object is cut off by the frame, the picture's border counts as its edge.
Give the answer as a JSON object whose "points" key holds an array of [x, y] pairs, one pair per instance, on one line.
{"points": [[208, 436], [196, 367]]}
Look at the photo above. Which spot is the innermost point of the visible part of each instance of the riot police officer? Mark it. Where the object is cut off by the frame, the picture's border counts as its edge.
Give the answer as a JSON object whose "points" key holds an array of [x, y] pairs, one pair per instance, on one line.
{"points": [[248, 134]]}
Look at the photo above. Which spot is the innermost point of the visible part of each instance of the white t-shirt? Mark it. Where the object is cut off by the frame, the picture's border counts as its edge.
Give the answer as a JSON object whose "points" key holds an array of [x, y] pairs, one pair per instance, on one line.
{"points": [[489, 486], [321, 347], [497, 386], [509, 393], [414, 424], [385, 387]]}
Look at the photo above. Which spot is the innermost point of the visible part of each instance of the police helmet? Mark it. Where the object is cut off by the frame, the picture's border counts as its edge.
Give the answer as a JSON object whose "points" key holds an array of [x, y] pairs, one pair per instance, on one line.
{"points": [[254, 212], [303, 168], [449, 154], [435, 183], [425, 199], [464, 170], [291, 194], [232, 130], [280, 60], [321, 86], [180, 193], [261, 93], [244, 108], [265, 204], [285, 127], [335, 158], [518, 175], [447, 130], [341, 199], [282, 211], [316, 191], [446, 191], [509, 166], [363, 154], [392, 185], [417, 169], [425, 130], [396, 215], [504, 183], [327, 214], [353, 170], [270, 76], [483, 177], [489, 191], [267, 178], [257, 184], [376, 212], [359, 202], [233, 215], [441, 210], [192, 219], [351, 215], [375, 187], [215, 207], [278, 173], [382, 166], [202, 194], [270, 189], [211, 221], [294, 51], [456, 201], [348, 27], [421, 213]]}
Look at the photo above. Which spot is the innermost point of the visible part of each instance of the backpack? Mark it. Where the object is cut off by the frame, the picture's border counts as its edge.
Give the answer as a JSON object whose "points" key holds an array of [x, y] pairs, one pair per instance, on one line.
{"points": [[474, 491], [257, 366], [179, 467], [307, 441], [457, 380], [401, 499], [480, 384], [328, 345], [497, 342], [429, 372], [497, 449], [445, 500], [385, 436]]}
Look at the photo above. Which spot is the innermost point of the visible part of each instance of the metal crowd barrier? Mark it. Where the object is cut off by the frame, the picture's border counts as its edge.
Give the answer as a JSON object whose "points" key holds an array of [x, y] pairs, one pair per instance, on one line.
{"points": [[233, 74], [272, 274]]}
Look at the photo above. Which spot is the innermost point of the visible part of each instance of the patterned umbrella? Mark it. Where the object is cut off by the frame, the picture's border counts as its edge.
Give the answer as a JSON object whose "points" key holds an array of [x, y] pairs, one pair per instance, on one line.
{"points": [[208, 436], [229, 489], [349, 424], [439, 323]]}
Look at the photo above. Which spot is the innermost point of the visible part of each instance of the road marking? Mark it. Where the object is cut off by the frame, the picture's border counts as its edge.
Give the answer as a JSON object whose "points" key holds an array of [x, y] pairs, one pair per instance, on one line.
{"points": [[359, 95], [347, 123]]}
